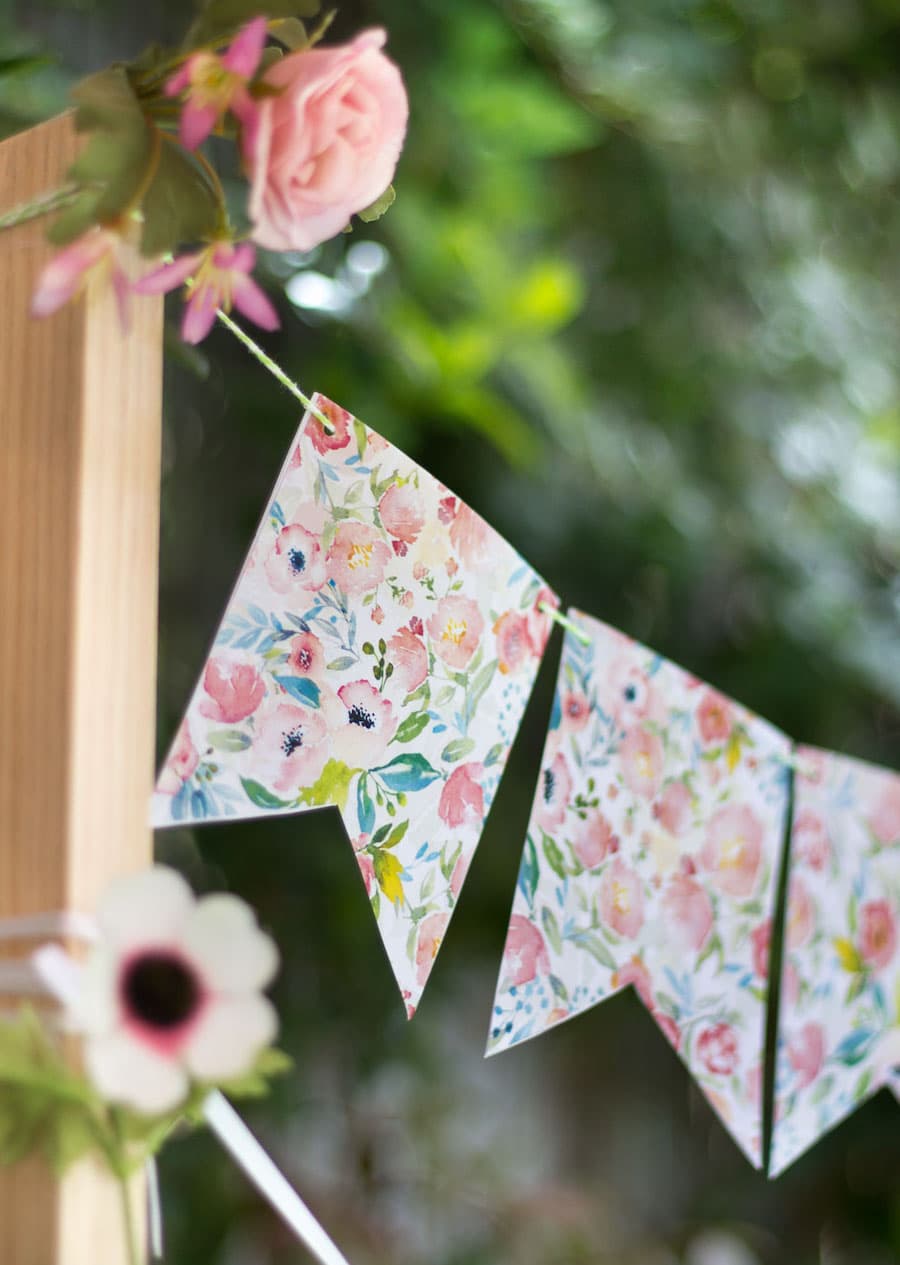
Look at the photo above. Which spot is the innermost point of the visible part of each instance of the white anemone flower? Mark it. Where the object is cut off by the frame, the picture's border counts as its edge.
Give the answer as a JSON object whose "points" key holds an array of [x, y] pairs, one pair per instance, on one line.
{"points": [[171, 992]]}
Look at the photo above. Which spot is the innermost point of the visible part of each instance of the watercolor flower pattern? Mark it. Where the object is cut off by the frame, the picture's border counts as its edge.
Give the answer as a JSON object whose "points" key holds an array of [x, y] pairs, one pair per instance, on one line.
{"points": [[377, 655], [839, 1034], [651, 860]]}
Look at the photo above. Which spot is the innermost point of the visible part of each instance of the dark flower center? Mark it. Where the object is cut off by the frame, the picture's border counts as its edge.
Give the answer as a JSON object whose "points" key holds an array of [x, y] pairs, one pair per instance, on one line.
{"points": [[304, 658], [630, 693], [292, 740], [549, 785], [160, 990], [359, 716], [297, 559]]}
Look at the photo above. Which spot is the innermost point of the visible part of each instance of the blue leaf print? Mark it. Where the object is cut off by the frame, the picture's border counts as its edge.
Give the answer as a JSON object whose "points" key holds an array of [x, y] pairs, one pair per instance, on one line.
{"points": [[365, 809], [301, 688], [407, 773]]}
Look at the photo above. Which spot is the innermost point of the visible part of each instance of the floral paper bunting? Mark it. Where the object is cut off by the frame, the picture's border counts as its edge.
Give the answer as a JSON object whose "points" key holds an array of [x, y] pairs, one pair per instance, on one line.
{"points": [[377, 655], [839, 1030], [651, 859]]}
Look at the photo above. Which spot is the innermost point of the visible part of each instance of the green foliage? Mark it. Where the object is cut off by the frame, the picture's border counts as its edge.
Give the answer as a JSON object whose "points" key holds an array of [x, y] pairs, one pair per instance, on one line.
{"points": [[379, 206], [220, 19], [181, 205]]}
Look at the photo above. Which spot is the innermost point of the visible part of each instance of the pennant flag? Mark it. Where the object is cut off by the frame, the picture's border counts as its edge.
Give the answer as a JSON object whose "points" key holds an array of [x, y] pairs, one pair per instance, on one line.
{"points": [[651, 859], [839, 1025], [377, 655]]}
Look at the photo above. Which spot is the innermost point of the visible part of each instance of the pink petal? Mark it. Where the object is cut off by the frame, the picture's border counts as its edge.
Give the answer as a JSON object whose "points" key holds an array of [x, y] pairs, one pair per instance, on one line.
{"points": [[244, 258], [180, 80], [169, 276], [253, 302], [246, 111], [197, 121], [199, 315], [62, 276], [246, 49]]}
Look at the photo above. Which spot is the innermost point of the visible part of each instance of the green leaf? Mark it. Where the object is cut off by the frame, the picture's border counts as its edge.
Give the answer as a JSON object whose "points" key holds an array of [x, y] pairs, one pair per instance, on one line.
{"points": [[597, 949], [529, 871], [554, 855], [123, 146], [376, 209], [480, 686], [220, 19], [412, 726], [448, 863], [291, 33], [228, 740], [180, 206], [387, 875], [396, 834], [457, 749], [333, 786], [551, 928], [258, 795]]}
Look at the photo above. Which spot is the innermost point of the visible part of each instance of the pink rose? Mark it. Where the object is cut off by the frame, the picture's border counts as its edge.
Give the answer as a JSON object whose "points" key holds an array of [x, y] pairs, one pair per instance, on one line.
{"points": [[525, 952], [407, 653], [717, 1049], [472, 538], [306, 656], [595, 840], [514, 648], [621, 899], [402, 511], [714, 717], [687, 907], [761, 940], [455, 629], [885, 820], [429, 940], [357, 558], [552, 799], [801, 915], [462, 799], [576, 710], [732, 852], [877, 933], [636, 973], [183, 760], [806, 1053], [642, 762], [326, 143], [234, 690], [672, 810], [810, 840]]}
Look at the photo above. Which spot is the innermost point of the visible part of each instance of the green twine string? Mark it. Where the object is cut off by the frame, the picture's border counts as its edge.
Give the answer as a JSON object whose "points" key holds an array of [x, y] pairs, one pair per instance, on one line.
{"points": [[275, 369], [563, 622], [43, 205]]}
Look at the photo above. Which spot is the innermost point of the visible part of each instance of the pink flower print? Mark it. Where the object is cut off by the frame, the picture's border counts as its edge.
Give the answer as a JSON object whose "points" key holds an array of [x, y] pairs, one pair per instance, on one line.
{"points": [[575, 709], [221, 279], [554, 791], [539, 622], [234, 691], [416, 626], [514, 649], [366, 865], [621, 899], [458, 875], [642, 760], [407, 653], [455, 630], [291, 748], [525, 952], [714, 717], [594, 840], [340, 420], [801, 915], [402, 511], [877, 933], [295, 562], [673, 809], [790, 984], [810, 843], [688, 910], [377, 615], [717, 1049], [93, 258], [630, 694], [669, 1028], [636, 973], [357, 558], [428, 941], [806, 1053], [472, 538], [761, 940], [214, 85], [305, 655], [408, 600], [462, 799], [885, 820], [732, 852], [447, 509], [754, 1086], [366, 727], [181, 764]]}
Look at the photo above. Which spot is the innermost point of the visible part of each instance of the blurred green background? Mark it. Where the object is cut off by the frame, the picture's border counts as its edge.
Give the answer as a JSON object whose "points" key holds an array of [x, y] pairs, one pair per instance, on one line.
{"points": [[637, 304]]}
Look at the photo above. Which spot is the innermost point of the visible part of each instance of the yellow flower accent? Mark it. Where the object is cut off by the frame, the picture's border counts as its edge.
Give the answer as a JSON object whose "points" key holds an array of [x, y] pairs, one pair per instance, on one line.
{"points": [[454, 630], [848, 956], [733, 752], [359, 556], [732, 853], [387, 874], [621, 899]]}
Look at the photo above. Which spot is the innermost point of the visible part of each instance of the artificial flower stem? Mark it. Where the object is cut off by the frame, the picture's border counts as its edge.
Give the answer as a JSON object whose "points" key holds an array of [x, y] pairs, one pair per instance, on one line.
{"points": [[122, 1178], [44, 205], [276, 371], [563, 622]]}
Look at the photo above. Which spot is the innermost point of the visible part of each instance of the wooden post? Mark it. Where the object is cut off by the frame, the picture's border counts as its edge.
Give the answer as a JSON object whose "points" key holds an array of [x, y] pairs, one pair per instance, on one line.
{"points": [[79, 501]]}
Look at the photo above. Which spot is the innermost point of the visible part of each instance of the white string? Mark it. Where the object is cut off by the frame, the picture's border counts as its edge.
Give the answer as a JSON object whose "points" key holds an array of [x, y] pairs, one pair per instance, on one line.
{"points": [[66, 923], [154, 1211], [259, 1166]]}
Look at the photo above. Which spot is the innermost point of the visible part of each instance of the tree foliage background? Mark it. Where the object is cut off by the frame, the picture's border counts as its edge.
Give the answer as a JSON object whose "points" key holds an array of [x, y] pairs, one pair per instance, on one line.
{"points": [[636, 303]]}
